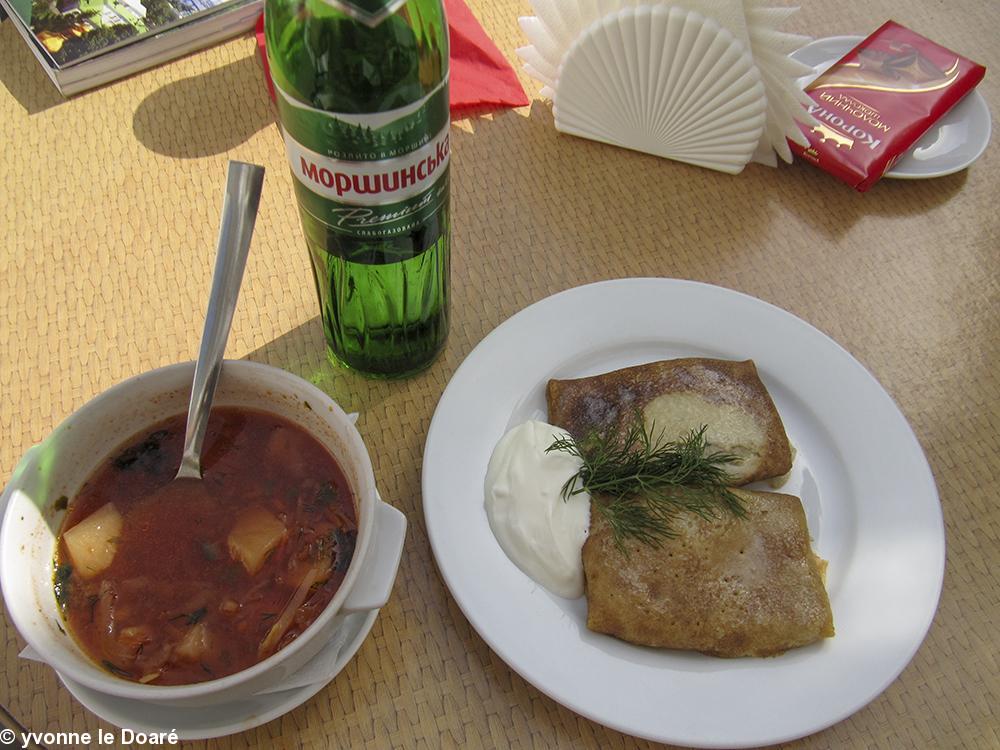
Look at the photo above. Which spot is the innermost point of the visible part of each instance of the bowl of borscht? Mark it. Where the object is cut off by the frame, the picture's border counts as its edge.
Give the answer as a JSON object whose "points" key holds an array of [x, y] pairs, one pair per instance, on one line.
{"points": [[191, 592]]}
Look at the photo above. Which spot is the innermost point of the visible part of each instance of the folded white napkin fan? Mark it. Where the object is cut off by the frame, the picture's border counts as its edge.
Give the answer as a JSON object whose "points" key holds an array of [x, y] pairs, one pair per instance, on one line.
{"points": [[707, 82]]}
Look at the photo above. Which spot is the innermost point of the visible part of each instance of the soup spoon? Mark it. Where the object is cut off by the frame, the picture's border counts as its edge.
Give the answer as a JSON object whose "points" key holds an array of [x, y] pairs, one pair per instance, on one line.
{"points": [[239, 213]]}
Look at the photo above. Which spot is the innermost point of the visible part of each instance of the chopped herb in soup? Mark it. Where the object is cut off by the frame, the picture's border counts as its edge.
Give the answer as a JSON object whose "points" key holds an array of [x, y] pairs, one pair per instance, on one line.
{"points": [[171, 582]]}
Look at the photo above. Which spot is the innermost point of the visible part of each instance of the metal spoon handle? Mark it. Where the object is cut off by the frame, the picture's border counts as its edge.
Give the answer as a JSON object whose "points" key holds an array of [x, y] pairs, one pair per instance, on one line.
{"points": [[239, 213]]}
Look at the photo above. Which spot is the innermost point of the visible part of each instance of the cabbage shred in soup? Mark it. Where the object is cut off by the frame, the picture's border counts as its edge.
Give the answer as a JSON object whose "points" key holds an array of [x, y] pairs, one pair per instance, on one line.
{"points": [[171, 582]]}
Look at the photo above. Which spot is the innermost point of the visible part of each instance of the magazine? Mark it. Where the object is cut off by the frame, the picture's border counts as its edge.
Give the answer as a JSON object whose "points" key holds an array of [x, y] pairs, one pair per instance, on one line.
{"points": [[85, 43]]}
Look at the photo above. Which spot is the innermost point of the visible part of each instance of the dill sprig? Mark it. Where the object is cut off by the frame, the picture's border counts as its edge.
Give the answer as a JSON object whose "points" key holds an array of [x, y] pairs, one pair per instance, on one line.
{"points": [[640, 484]]}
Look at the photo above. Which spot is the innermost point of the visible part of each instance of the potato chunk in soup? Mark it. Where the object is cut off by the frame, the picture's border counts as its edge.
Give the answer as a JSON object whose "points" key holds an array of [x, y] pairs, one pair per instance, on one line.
{"points": [[92, 543], [256, 533]]}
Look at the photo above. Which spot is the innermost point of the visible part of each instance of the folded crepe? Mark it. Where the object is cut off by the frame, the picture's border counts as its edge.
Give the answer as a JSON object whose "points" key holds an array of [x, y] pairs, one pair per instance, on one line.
{"points": [[674, 397], [725, 586]]}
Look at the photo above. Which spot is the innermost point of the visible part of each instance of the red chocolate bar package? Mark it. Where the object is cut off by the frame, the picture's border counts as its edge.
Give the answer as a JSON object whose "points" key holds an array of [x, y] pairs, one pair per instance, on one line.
{"points": [[877, 101]]}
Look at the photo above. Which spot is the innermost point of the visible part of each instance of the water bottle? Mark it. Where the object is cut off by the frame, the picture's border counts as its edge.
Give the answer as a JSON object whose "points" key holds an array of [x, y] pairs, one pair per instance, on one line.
{"points": [[362, 95]]}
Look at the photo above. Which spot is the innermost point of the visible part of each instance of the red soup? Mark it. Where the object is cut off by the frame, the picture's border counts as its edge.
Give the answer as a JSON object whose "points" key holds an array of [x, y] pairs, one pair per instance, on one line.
{"points": [[171, 582]]}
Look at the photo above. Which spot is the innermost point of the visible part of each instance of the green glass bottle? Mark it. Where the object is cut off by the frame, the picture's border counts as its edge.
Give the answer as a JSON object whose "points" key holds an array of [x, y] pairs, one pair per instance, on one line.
{"points": [[362, 92]]}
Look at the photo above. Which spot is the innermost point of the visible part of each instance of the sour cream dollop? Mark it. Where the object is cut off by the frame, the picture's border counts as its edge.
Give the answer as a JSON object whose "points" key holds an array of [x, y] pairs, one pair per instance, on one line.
{"points": [[542, 533]]}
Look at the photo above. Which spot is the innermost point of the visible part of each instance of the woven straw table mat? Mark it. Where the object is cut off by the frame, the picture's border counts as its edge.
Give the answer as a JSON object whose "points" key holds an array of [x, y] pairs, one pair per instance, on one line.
{"points": [[108, 224]]}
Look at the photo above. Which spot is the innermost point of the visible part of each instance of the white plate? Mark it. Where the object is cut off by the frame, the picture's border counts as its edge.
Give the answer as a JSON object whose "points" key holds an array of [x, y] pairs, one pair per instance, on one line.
{"points": [[226, 718], [951, 144], [870, 500]]}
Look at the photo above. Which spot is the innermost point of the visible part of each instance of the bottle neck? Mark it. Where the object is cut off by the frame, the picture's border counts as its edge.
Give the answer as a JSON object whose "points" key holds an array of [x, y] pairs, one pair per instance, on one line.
{"points": [[327, 60], [369, 12]]}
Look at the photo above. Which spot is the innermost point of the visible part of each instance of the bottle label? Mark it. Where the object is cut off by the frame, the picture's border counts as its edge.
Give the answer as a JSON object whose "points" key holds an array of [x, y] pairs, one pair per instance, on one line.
{"points": [[369, 175]]}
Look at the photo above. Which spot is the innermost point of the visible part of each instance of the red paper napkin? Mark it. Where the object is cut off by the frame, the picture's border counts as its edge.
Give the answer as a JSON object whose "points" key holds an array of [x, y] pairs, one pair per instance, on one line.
{"points": [[481, 78]]}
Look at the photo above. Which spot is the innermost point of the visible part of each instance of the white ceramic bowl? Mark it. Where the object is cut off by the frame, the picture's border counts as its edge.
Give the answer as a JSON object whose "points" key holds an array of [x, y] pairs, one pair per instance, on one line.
{"points": [[58, 467]]}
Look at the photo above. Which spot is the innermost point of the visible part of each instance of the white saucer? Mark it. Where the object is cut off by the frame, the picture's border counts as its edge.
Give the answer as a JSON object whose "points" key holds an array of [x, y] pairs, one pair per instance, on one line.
{"points": [[951, 144], [226, 718]]}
